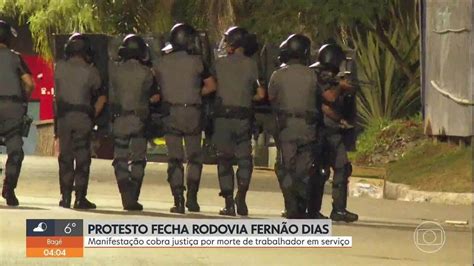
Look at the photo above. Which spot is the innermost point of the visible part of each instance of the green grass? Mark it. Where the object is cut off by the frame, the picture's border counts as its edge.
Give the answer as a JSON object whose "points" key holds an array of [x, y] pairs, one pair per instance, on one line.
{"points": [[383, 137], [434, 167], [410, 158]]}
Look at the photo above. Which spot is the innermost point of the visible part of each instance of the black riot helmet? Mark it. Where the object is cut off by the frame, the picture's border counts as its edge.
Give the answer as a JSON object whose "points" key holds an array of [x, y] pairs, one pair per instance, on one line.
{"points": [[235, 37], [296, 46], [331, 56], [79, 45], [183, 37], [7, 32], [134, 47]]}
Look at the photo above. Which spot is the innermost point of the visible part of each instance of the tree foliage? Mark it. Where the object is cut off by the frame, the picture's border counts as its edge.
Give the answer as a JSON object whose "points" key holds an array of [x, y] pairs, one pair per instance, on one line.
{"points": [[48, 17], [383, 33], [388, 55], [384, 36], [56, 16]]}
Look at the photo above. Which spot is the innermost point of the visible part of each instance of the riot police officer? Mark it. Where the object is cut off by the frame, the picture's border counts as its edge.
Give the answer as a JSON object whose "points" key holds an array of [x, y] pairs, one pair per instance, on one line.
{"points": [[291, 91], [16, 85], [237, 79], [133, 88], [338, 103], [180, 75], [77, 83]]}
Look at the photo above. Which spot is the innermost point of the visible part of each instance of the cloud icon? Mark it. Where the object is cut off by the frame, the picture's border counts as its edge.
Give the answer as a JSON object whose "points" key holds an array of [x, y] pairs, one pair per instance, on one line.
{"points": [[41, 227]]}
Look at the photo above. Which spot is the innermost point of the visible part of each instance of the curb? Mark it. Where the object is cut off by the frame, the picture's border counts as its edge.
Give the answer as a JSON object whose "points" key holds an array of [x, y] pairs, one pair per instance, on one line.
{"points": [[403, 192]]}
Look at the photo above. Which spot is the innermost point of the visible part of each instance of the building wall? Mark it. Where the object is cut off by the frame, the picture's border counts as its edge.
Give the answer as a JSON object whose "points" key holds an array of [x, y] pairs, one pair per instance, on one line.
{"points": [[448, 67]]}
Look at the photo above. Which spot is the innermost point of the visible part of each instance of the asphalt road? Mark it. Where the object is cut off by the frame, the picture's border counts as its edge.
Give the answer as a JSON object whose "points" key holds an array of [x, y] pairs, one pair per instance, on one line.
{"points": [[383, 236]]}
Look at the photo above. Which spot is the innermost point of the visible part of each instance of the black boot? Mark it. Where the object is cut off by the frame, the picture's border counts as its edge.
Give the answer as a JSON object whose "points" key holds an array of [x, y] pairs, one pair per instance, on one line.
{"points": [[317, 216], [65, 201], [138, 189], [284, 212], [178, 204], [315, 196], [229, 209], [129, 202], [292, 205], [128, 193], [82, 202], [191, 200], [339, 206], [240, 202], [8, 193], [344, 216]]}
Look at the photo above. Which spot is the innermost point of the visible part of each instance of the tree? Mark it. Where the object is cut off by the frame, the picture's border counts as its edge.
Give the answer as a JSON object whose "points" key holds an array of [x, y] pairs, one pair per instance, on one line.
{"points": [[48, 17], [384, 33]]}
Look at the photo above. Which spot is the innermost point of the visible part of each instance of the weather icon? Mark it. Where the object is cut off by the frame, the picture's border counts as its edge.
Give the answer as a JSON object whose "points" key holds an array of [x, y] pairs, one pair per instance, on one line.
{"points": [[42, 226]]}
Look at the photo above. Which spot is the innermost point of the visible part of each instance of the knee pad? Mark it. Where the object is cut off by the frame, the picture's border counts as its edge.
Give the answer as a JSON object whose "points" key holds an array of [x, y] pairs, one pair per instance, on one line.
{"points": [[224, 166], [338, 185], [244, 173], [16, 156], [66, 162], [339, 182], [194, 158], [65, 157], [245, 163], [173, 165], [83, 164]]}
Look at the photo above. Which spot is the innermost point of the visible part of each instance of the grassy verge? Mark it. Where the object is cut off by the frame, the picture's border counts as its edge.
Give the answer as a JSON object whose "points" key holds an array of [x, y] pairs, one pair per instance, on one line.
{"points": [[385, 142], [434, 167], [411, 158]]}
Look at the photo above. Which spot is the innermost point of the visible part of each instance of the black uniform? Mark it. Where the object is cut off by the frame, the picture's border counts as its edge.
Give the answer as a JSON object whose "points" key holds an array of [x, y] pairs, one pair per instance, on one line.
{"points": [[76, 84], [132, 85], [340, 164], [180, 76], [12, 110], [293, 87], [236, 76], [335, 134]]}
